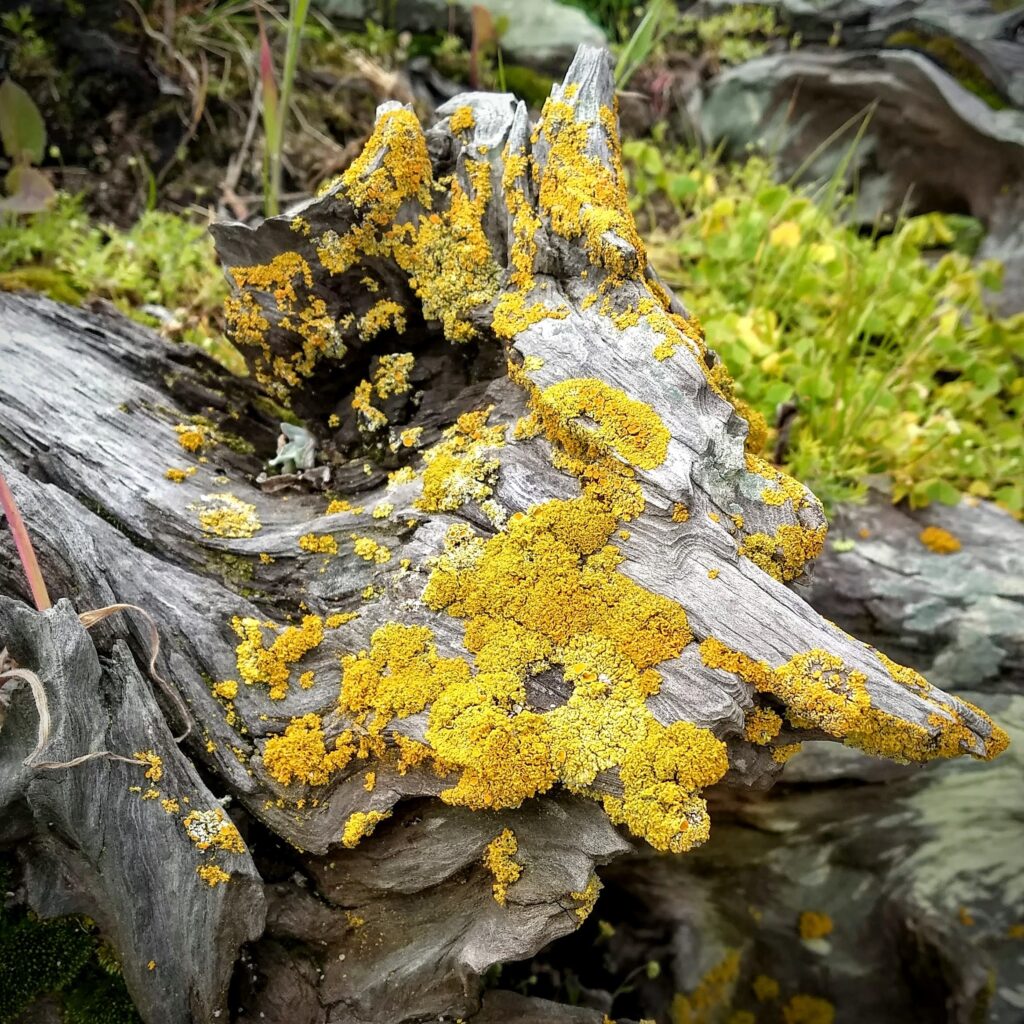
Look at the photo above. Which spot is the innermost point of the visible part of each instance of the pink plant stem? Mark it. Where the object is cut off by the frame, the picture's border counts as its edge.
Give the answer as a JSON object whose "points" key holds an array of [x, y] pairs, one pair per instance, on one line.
{"points": [[23, 544]]}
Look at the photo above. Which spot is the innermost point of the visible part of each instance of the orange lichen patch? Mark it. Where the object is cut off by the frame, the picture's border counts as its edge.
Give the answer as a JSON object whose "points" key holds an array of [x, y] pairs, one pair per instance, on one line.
{"points": [[300, 753], [814, 925], [498, 859], [320, 543], [765, 988], [819, 692], [213, 829], [1015, 931], [192, 436], [399, 675], [583, 196], [462, 120], [711, 996], [179, 476], [369, 550], [622, 425], [762, 725], [270, 665], [212, 876], [784, 553], [808, 1010], [965, 917], [587, 897], [379, 317], [360, 825], [155, 769], [941, 541], [459, 468], [224, 515], [171, 806]]}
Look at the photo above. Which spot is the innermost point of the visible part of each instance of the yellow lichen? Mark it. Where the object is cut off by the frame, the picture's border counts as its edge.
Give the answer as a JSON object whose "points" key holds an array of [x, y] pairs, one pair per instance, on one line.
{"points": [[784, 553], [171, 806], [258, 663], [762, 725], [814, 925], [820, 692], [462, 120], [680, 513], [459, 468], [213, 829], [941, 541], [379, 317], [498, 859], [155, 769], [212, 875], [582, 188], [765, 988], [300, 753], [382, 510], [227, 689], [803, 1009], [323, 543], [399, 675], [623, 426], [224, 515], [361, 824], [192, 436], [179, 476], [369, 550], [587, 897], [711, 996], [341, 505]]}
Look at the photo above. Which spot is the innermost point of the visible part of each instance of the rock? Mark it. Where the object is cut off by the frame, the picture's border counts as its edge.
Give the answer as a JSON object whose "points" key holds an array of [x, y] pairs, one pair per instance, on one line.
{"points": [[539, 33], [928, 140]]}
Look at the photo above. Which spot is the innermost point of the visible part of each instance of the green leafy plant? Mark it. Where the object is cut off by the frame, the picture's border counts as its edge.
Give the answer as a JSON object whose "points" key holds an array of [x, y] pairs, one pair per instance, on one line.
{"points": [[882, 342], [737, 34], [24, 139], [658, 20], [162, 271]]}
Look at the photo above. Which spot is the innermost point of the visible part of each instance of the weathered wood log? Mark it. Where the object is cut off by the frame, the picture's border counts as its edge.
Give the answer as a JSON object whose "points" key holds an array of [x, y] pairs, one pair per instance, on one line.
{"points": [[556, 574]]}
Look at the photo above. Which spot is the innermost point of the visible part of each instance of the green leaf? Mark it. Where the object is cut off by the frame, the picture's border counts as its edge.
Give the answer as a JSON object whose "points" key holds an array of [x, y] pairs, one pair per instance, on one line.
{"points": [[21, 125]]}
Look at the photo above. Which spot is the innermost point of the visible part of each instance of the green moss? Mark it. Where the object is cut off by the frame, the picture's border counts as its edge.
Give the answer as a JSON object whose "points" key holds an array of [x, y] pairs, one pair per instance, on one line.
{"points": [[62, 955], [98, 997], [163, 260], [945, 51]]}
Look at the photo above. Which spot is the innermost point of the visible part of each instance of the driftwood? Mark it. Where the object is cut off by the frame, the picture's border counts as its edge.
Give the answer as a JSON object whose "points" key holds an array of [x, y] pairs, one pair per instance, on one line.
{"points": [[560, 582]]}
